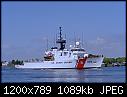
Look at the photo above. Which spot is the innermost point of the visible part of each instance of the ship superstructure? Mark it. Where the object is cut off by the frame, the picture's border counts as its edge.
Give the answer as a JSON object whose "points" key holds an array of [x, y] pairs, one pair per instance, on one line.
{"points": [[61, 57]]}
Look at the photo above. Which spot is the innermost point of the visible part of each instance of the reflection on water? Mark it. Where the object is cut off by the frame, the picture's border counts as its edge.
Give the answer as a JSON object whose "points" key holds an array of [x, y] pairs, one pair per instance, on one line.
{"points": [[96, 75]]}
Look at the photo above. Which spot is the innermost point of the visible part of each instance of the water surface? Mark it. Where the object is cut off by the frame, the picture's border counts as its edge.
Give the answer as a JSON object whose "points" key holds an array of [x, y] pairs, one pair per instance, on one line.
{"points": [[94, 75]]}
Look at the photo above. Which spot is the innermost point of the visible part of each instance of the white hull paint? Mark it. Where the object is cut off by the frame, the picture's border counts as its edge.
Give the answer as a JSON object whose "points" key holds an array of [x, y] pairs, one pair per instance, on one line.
{"points": [[94, 62], [37, 65], [55, 65]]}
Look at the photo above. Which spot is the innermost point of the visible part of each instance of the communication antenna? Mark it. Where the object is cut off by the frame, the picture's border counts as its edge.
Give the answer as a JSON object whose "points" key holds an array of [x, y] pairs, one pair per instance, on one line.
{"points": [[65, 36], [74, 38], [60, 33], [54, 39], [47, 43], [85, 42], [82, 39]]}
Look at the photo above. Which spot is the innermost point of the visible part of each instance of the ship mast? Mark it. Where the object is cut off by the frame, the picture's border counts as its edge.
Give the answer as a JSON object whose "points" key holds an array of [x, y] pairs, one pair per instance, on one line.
{"points": [[61, 41]]}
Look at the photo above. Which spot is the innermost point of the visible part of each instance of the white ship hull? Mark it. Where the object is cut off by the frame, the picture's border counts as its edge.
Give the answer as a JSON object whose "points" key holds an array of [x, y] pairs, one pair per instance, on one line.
{"points": [[76, 57], [90, 63], [94, 62]]}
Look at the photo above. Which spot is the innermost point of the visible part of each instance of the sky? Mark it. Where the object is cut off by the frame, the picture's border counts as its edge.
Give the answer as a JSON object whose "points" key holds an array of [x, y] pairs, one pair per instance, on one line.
{"points": [[29, 28]]}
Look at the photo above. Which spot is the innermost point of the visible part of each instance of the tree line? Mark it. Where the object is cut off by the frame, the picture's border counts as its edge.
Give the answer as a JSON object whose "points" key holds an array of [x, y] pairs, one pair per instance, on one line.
{"points": [[111, 61], [16, 62], [114, 60]]}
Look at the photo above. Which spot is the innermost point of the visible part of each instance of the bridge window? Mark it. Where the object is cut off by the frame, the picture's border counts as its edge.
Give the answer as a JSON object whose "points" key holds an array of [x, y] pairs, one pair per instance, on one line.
{"points": [[65, 53]]}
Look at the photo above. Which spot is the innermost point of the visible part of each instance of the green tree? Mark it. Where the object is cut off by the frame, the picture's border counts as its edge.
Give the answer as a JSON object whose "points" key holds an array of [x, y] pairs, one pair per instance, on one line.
{"points": [[112, 60], [120, 59], [13, 62], [106, 60]]}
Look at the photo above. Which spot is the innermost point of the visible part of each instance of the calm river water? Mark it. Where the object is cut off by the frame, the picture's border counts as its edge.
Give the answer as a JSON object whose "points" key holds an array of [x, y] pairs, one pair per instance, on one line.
{"points": [[95, 75]]}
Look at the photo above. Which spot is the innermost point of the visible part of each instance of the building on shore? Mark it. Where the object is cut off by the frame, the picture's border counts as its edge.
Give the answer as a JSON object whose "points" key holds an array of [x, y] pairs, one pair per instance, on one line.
{"points": [[4, 63]]}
